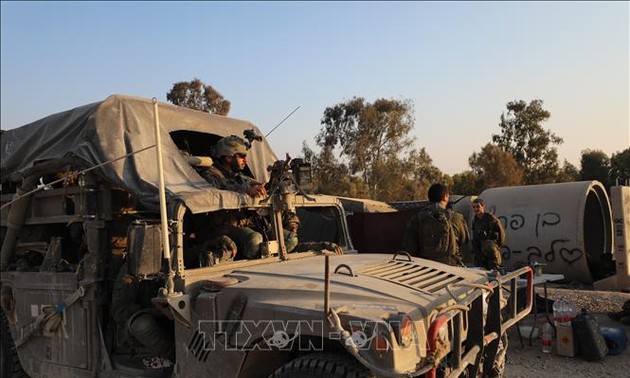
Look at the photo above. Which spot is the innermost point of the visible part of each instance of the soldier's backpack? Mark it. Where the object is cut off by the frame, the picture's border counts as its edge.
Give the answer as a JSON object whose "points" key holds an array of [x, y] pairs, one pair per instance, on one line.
{"points": [[590, 342], [437, 238]]}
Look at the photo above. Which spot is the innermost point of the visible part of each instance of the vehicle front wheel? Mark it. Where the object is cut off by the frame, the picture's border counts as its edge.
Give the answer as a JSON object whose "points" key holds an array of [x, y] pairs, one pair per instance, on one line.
{"points": [[9, 360], [318, 365]]}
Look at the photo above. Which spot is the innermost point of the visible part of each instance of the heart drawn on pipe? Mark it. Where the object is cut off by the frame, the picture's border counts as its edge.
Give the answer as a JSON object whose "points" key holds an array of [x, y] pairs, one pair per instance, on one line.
{"points": [[571, 255]]}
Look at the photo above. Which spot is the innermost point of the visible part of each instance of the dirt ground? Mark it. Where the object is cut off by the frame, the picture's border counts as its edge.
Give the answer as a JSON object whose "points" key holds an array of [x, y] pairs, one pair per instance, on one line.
{"points": [[530, 361]]}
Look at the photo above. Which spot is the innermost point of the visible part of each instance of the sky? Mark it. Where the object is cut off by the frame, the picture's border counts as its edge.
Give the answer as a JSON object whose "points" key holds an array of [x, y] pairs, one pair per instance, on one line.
{"points": [[459, 63]]}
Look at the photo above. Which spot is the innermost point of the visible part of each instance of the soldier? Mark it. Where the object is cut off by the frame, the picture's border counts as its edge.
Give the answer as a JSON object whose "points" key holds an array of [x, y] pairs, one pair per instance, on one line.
{"points": [[437, 233], [291, 225], [214, 251], [488, 237], [230, 159]]}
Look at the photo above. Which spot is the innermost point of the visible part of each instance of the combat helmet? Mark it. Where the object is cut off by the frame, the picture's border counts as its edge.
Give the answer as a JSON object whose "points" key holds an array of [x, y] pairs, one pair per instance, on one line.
{"points": [[229, 146], [290, 217]]}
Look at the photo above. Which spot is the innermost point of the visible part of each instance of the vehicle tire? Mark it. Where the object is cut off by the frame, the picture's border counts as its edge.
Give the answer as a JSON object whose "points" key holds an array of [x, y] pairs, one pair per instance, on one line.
{"points": [[9, 360], [318, 365]]}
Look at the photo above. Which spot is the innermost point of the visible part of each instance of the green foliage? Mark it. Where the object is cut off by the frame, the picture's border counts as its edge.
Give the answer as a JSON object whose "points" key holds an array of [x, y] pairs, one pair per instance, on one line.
{"points": [[595, 165], [568, 173], [332, 177], [375, 152], [199, 96], [620, 167], [495, 167], [523, 136], [419, 173], [466, 183]]}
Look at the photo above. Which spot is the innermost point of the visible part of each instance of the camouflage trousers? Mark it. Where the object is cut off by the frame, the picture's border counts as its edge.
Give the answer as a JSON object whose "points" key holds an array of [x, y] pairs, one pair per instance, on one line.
{"points": [[498, 366], [245, 240], [248, 241], [290, 240], [488, 255]]}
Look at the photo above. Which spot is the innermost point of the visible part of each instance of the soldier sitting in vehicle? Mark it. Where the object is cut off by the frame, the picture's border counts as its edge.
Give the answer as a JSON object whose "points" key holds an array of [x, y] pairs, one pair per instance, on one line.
{"points": [[225, 234], [291, 225], [214, 251], [230, 158]]}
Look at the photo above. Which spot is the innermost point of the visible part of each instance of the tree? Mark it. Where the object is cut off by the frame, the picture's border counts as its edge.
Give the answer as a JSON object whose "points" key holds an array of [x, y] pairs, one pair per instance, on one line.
{"points": [[373, 140], [407, 178], [495, 167], [523, 136], [467, 183], [595, 165], [568, 173], [199, 96], [419, 166], [330, 176], [620, 167]]}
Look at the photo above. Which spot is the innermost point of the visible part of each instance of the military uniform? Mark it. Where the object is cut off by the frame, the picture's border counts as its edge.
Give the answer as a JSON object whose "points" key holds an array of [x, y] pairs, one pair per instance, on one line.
{"points": [[228, 177], [212, 252], [460, 228], [488, 237], [290, 224], [222, 178], [448, 252], [246, 240], [220, 232]]}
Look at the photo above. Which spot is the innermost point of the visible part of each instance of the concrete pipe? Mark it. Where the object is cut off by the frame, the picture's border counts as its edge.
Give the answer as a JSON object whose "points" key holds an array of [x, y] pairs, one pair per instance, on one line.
{"points": [[566, 226]]}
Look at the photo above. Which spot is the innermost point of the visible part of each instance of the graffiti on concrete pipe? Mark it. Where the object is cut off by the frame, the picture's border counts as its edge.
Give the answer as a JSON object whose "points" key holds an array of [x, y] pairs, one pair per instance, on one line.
{"points": [[567, 226], [549, 254], [517, 221], [534, 253]]}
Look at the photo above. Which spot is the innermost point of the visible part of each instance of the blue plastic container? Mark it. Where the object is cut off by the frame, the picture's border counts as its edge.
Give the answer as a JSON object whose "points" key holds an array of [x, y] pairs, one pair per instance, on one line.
{"points": [[615, 338]]}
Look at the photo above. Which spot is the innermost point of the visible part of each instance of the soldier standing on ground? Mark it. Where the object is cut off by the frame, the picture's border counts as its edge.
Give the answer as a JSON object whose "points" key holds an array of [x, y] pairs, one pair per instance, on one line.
{"points": [[488, 237], [437, 233]]}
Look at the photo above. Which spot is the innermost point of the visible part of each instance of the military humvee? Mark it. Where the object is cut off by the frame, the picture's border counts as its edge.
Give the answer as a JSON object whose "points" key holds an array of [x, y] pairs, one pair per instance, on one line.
{"points": [[96, 282]]}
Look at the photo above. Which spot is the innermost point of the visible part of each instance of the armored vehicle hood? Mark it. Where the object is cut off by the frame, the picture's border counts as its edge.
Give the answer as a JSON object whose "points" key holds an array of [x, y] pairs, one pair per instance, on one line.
{"points": [[376, 283]]}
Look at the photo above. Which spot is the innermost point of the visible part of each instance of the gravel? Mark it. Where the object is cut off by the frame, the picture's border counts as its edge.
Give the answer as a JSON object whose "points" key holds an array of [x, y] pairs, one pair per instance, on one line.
{"points": [[529, 361]]}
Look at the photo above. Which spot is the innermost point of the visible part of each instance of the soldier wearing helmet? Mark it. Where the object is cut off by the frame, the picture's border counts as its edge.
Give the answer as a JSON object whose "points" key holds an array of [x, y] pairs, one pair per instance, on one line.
{"points": [[230, 157], [291, 226]]}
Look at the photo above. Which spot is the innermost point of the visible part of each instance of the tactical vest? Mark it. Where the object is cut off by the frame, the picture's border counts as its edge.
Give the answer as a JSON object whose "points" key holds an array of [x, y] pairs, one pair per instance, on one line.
{"points": [[436, 236]]}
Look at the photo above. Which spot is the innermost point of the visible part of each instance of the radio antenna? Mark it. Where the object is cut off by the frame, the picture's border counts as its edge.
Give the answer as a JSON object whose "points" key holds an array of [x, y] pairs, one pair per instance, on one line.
{"points": [[285, 118]]}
